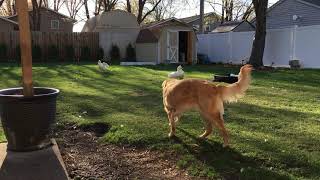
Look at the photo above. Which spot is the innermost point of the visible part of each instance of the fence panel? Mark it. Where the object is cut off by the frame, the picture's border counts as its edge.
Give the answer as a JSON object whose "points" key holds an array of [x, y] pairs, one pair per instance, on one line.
{"points": [[282, 45], [47, 39]]}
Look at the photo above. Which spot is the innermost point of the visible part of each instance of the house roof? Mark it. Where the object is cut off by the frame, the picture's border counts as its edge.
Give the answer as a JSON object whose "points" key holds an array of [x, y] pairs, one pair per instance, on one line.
{"points": [[309, 2], [314, 2], [230, 26], [48, 9], [163, 22], [146, 36], [151, 32], [194, 18], [8, 20]]}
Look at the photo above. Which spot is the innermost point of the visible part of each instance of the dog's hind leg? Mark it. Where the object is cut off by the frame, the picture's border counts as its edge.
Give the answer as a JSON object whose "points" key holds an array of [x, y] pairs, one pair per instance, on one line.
{"points": [[172, 123], [208, 126], [219, 122]]}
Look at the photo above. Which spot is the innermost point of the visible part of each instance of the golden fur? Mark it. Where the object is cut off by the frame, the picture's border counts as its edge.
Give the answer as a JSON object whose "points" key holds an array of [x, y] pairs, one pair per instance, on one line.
{"points": [[182, 95]]}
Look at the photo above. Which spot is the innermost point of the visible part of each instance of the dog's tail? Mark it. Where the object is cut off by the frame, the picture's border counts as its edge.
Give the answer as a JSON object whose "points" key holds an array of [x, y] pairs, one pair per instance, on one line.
{"points": [[233, 92]]}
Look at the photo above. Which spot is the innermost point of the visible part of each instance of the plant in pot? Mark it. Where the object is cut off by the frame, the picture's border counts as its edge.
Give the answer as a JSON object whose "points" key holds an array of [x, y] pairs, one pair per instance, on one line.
{"points": [[27, 112]]}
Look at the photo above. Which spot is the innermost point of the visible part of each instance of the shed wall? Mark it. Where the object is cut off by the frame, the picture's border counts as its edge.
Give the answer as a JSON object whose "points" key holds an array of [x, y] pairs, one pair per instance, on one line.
{"points": [[147, 52], [163, 42]]}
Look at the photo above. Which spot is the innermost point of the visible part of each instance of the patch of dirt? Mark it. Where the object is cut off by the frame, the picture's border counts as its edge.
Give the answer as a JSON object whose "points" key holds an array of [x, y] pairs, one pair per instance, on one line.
{"points": [[85, 158]]}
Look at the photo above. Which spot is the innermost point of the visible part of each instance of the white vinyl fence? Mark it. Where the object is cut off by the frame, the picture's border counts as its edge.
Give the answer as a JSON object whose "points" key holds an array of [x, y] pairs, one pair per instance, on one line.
{"points": [[282, 45]]}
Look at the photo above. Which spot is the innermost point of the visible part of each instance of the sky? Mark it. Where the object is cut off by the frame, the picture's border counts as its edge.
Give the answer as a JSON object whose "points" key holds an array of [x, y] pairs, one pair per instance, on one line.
{"points": [[190, 10]]}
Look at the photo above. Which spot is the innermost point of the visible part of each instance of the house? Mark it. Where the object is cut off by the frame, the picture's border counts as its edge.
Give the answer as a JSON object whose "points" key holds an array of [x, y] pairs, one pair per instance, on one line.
{"points": [[167, 41], [7, 25], [115, 27], [234, 26], [288, 13], [211, 21], [50, 21]]}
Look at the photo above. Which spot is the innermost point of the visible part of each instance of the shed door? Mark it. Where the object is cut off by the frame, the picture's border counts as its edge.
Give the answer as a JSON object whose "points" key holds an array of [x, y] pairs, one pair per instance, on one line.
{"points": [[173, 46]]}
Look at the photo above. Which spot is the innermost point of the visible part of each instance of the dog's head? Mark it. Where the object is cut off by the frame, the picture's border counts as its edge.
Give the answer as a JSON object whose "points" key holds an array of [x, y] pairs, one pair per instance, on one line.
{"points": [[245, 70]]}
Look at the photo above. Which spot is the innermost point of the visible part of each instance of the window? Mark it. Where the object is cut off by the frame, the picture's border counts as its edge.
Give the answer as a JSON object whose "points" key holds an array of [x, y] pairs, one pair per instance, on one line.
{"points": [[55, 24]]}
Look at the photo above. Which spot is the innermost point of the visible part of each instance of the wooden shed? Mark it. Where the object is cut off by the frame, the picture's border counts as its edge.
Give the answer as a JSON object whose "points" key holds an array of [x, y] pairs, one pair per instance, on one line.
{"points": [[167, 41]]}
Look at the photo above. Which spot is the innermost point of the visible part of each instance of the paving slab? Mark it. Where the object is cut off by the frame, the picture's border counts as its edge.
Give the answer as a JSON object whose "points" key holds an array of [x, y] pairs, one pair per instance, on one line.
{"points": [[45, 164]]}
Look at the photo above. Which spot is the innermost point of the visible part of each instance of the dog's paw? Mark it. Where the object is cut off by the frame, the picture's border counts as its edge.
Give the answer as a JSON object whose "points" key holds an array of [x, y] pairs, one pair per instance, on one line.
{"points": [[203, 136], [225, 145], [171, 135]]}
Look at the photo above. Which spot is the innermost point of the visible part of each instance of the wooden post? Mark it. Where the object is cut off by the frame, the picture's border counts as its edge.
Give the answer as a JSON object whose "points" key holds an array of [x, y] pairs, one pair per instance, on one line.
{"points": [[25, 46]]}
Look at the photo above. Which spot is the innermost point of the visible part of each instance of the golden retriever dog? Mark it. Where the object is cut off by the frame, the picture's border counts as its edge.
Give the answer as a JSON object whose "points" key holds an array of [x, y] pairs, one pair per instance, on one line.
{"points": [[182, 95]]}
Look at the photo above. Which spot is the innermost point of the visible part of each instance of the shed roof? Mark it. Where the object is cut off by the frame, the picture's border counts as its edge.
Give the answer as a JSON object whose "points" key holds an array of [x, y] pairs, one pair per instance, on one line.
{"points": [[115, 19], [146, 36], [150, 33]]}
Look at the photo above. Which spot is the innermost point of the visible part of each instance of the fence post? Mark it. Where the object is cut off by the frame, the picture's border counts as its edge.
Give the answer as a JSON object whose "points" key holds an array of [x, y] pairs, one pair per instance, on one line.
{"points": [[230, 46], [294, 41]]}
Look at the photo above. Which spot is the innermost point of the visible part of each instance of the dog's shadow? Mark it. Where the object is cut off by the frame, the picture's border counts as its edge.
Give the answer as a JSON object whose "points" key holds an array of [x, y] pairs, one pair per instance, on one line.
{"points": [[227, 162]]}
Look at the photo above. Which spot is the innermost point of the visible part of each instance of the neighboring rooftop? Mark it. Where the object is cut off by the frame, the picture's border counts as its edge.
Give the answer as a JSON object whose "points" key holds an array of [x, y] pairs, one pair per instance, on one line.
{"points": [[315, 2], [8, 20], [48, 9], [196, 17], [232, 25]]}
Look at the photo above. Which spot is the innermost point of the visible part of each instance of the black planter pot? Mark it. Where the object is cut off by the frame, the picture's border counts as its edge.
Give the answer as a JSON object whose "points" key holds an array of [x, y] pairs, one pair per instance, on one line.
{"points": [[27, 120]]}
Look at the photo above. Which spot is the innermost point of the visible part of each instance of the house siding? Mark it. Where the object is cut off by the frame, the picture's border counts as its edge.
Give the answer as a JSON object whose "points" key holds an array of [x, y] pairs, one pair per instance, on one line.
{"points": [[65, 25], [281, 16], [6, 26]]}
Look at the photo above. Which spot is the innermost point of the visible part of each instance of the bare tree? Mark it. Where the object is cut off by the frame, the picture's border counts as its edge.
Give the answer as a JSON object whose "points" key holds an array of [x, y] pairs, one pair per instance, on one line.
{"points": [[201, 30], [45, 3], [143, 12], [109, 5], [129, 6], [7, 7], [232, 9], [73, 7], [256, 58], [1, 2], [36, 17], [57, 4], [248, 12], [166, 9], [85, 3]]}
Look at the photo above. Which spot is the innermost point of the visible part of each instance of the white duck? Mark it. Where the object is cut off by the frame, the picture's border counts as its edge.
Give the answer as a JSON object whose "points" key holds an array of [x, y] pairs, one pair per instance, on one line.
{"points": [[179, 74], [103, 66]]}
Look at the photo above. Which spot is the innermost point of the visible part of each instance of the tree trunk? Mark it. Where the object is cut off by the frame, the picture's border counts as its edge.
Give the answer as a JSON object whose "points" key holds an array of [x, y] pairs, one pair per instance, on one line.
{"points": [[201, 30], [223, 11], [36, 16], [256, 58], [1, 2], [86, 8], [129, 6]]}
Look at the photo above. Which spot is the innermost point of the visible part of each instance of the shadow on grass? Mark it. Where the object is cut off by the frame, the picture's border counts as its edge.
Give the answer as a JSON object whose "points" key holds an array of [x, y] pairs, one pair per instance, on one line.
{"points": [[227, 162]]}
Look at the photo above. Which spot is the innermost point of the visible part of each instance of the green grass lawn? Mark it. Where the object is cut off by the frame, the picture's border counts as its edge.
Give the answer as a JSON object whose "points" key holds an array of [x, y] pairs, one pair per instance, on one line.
{"points": [[274, 129]]}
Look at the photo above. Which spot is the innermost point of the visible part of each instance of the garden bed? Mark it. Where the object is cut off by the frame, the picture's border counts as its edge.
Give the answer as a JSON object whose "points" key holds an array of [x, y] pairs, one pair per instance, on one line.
{"points": [[86, 158]]}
